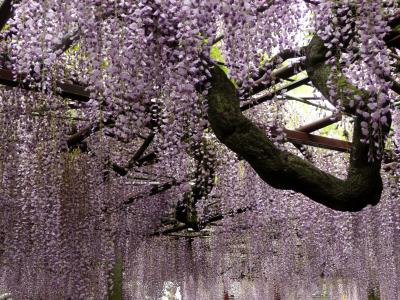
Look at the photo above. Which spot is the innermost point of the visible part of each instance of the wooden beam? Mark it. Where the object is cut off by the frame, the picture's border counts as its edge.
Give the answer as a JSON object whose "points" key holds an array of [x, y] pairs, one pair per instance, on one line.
{"points": [[305, 138], [70, 91], [314, 126], [73, 92]]}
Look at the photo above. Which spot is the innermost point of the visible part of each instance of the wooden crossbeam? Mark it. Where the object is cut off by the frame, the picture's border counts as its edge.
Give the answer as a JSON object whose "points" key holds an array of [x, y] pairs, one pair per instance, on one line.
{"points": [[73, 92], [314, 126], [305, 138], [70, 91]]}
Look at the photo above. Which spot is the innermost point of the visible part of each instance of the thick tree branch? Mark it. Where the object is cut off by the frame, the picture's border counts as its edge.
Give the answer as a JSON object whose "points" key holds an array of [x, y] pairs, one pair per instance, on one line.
{"points": [[6, 12], [156, 189], [135, 160], [283, 170], [319, 73], [203, 183], [80, 136]]}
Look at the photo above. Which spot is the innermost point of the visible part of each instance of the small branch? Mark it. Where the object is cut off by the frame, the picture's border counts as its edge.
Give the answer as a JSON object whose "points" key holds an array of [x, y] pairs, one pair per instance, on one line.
{"points": [[203, 223], [282, 73], [231, 213], [395, 86], [132, 162], [136, 159], [84, 133], [173, 229], [67, 41], [317, 125], [151, 157], [311, 2], [305, 101], [264, 7], [271, 95], [153, 191], [217, 39], [81, 135], [70, 91]]}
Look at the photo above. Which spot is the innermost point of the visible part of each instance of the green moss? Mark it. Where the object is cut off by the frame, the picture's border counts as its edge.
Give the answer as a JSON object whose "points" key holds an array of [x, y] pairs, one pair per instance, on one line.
{"points": [[241, 169], [192, 220], [6, 27], [265, 57], [72, 114], [116, 292], [216, 180], [216, 54]]}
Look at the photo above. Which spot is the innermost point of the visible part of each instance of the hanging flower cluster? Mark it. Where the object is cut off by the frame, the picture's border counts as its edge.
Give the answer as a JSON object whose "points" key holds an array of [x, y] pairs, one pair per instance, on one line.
{"points": [[353, 32]]}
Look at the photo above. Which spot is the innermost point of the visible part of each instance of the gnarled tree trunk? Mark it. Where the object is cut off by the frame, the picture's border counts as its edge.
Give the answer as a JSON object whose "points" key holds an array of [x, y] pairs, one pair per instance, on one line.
{"points": [[284, 170]]}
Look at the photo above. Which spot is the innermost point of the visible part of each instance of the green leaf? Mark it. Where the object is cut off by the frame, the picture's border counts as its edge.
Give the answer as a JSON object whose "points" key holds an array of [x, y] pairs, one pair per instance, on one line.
{"points": [[216, 54]]}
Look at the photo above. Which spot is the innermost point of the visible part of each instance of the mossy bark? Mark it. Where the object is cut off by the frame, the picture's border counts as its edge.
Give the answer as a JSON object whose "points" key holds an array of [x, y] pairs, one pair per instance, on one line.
{"points": [[116, 291]]}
